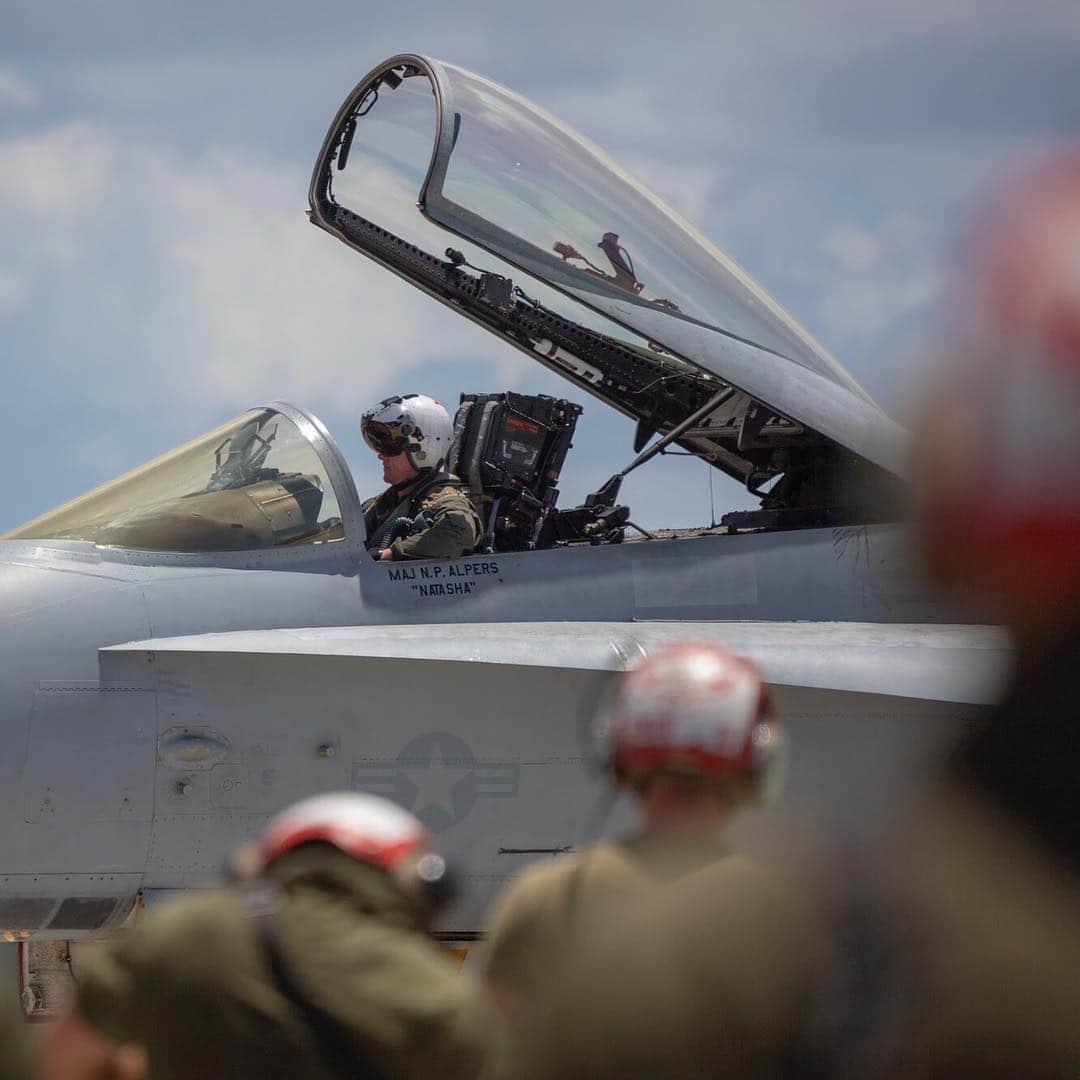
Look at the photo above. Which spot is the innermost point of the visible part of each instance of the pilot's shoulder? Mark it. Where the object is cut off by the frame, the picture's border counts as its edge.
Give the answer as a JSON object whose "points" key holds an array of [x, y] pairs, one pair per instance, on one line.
{"points": [[448, 493]]}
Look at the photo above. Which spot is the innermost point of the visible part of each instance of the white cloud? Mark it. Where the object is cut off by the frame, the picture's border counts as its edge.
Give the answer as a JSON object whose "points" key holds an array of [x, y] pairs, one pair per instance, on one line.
{"points": [[258, 298], [248, 299], [866, 306], [686, 188], [877, 277], [59, 172], [853, 248], [54, 185], [855, 282], [15, 91]]}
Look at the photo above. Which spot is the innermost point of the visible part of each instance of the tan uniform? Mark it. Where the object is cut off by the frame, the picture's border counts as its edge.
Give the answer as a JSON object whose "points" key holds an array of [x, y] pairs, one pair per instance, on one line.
{"points": [[646, 957], [193, 985], [973, 916], [549, 903], [454, 528], [992, 948]]}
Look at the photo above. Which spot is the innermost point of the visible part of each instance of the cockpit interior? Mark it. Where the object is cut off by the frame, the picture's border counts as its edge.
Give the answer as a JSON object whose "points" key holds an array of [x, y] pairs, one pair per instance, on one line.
{"points": [[267, 480]]}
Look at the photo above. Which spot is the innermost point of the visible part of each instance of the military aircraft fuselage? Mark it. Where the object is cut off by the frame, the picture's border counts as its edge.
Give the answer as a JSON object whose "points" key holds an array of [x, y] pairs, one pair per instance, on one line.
{"points": [[112, 783]]}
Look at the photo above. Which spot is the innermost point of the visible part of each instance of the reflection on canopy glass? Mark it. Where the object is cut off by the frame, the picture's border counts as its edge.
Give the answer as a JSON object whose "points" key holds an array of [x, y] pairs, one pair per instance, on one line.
{"points": [[556, 201], [254, 482], [382, 168]]}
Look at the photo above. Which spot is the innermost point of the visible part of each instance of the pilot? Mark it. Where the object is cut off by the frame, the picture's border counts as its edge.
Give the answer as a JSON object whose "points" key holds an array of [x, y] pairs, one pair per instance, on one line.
{"points": [[690, 733], [424, 514], [314, 963]]}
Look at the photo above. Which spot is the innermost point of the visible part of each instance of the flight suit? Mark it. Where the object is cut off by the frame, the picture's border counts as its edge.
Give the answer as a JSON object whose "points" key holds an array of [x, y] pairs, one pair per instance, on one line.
{"points": [[984, 886], [647, 957], [990, 972], [454, 528], [193, 984], [955, 945], [534, 918]]}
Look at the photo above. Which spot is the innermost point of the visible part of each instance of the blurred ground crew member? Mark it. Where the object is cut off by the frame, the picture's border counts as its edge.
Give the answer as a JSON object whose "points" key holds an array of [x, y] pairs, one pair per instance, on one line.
{"points": [[691, 734], [425, 513], [999, 446], [315, 964], [986, 885]]}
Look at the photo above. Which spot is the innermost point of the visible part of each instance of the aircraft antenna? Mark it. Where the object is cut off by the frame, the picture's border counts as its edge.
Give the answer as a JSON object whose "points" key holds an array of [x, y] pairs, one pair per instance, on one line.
{"points": [[712, 497]]}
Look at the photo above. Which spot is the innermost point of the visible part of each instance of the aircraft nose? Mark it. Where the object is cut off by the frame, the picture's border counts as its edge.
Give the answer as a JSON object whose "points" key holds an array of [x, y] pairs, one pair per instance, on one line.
{"points": [[56, 611], [73, 770]]}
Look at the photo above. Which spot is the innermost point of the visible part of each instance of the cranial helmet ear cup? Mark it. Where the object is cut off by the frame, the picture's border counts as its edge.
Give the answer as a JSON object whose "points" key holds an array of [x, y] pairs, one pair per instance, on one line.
{"points": [[436, 880], [770, 758], [245, 863], [427, 879]]}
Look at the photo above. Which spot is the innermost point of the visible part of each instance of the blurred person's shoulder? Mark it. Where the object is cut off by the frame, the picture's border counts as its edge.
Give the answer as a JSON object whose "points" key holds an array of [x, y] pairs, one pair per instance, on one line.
{"points": [[717, 959], [627, 866], [538, 883], [531, 916], [996, 915], [215, 918], [191, 935]]}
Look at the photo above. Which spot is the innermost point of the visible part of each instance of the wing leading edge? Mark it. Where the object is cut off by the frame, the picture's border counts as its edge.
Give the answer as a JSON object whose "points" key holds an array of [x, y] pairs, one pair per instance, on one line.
{"points": [[955, 664]]}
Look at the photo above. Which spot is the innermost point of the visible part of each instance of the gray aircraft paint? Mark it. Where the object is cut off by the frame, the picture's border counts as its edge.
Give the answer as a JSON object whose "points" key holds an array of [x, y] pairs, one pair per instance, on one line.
{"points": [[96, 805]]}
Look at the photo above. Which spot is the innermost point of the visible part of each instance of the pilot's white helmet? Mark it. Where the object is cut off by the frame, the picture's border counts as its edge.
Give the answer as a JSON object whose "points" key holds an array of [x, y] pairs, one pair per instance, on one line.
{"points": [[370, 829], [696, 709], [414, 424]]}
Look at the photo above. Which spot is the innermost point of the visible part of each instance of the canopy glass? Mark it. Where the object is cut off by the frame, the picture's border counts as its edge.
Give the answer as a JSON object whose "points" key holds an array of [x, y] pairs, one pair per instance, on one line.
{"points": [[542, 195], [255, 482]]}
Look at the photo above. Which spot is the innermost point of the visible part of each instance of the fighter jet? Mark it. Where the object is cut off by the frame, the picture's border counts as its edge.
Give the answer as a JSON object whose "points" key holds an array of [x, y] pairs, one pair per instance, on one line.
{"points": [[200, 642]]}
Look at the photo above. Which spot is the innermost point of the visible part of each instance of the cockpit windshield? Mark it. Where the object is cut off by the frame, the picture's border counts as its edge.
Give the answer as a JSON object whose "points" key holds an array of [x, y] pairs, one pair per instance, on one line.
{"points": [[255, 482], [520, 183]]}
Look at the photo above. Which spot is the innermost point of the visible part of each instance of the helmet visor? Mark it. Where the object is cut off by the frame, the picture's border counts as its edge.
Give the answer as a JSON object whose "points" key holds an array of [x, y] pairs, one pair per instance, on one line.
{"points": [[386, 438]]}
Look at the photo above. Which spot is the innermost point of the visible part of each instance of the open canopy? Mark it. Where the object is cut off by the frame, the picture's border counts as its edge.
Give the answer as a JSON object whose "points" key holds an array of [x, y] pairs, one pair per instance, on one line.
{"points": [[570, 259]]}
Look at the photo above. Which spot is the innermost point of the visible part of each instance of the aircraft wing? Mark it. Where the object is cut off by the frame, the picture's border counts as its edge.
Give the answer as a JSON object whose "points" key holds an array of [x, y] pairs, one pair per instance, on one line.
{"points": [[960, 664], [484, 731]]}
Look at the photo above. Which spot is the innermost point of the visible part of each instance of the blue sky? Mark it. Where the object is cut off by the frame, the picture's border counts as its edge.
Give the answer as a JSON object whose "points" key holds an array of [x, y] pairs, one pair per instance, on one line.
{"points": [[157, 272]]}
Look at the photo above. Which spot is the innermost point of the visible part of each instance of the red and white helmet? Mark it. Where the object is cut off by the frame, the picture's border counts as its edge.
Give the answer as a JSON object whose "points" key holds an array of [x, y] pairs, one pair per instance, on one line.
{"points": [[1000, 455], [415, 424], [693, 708], [369, 828]]}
